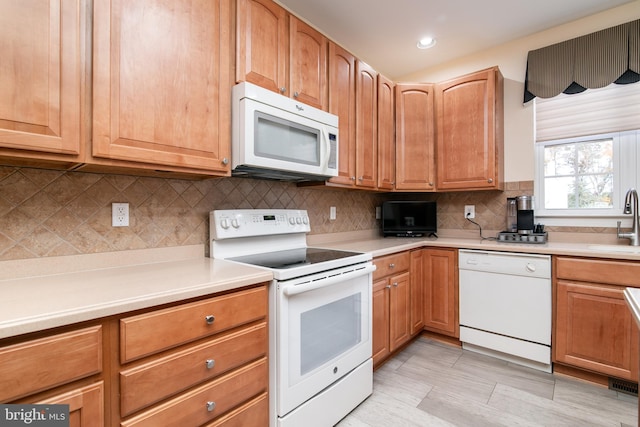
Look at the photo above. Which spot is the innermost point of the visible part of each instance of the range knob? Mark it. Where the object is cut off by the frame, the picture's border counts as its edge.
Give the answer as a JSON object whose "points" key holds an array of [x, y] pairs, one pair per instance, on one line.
{"points": [[224, 224], [292, 220], [299, 220], [305, 220], [235, 223]]}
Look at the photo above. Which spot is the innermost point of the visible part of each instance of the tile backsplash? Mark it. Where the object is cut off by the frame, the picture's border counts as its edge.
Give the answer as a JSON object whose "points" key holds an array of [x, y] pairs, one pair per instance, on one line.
{"points": [[52, 213]]}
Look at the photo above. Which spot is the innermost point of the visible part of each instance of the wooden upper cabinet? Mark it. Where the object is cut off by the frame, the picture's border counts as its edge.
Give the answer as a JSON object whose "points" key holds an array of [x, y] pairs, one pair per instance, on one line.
{"points": [[162, 85], [342, 103], [41, 77], [470, 131], [415, 137], [262, 44], [386, 135], [366, 125], [308, 64], [279, 52]]}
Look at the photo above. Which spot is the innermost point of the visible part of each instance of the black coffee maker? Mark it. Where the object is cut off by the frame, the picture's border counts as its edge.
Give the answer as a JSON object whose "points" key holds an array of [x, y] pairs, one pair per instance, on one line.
{"points": [[524, 215]]}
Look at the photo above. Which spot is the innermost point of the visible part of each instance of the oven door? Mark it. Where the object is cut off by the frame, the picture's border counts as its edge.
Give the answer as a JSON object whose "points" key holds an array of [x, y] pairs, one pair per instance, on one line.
{"points": [[323, 331]]}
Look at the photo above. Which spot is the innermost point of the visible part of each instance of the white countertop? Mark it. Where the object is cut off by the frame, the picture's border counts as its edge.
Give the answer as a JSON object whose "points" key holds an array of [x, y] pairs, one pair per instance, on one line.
{"points": [[44, 293], [41, 302], [379, 246]]}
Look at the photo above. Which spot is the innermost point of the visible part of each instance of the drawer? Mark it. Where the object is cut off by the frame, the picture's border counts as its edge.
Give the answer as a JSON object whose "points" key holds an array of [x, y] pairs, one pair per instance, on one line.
{"points": [[149, 383], [598, 271], [391, 264], [209, 401], [252, 414], [159, 330], [44, 363]]}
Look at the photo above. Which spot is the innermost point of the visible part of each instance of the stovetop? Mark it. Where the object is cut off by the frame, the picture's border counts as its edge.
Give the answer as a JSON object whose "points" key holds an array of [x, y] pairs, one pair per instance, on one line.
{"points": [[292, 258]]}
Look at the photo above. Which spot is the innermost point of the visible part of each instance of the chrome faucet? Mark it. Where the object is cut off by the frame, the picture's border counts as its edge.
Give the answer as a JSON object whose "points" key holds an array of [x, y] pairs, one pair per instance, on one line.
{"points": [[633, 235]]}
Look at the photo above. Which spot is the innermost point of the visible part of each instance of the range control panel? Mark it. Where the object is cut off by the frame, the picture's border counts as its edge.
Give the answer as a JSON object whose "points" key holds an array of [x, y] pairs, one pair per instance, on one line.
{"points": [[234, 223]]}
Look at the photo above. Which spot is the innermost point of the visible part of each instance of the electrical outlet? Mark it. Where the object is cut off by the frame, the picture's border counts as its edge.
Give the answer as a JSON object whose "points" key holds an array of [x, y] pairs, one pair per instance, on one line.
{"points": [[332, 213], [378, 212], [470, 211], [120, 214]]}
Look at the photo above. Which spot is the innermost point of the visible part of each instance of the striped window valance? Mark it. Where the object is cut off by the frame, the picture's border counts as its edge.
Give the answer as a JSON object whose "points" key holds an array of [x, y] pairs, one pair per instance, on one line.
{"points": [[592, 61]]}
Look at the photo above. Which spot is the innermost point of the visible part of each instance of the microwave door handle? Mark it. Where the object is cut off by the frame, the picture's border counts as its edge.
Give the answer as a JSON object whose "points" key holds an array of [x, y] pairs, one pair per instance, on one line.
{"points": [[327, 148]]}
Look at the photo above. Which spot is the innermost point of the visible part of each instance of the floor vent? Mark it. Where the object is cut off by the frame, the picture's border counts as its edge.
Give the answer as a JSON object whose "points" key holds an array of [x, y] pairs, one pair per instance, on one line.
{"points": [[623, 386]]}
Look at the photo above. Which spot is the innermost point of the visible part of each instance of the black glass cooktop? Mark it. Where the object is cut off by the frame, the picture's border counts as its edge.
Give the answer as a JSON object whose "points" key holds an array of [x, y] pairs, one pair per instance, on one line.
{"points": [[292, 258]]}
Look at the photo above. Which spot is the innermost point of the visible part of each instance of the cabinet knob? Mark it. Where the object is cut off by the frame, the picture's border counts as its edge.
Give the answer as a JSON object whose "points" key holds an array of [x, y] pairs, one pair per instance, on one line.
{"points": [[353, 178], [361, 178], [209, 319], [395, 284], [431, 184], [392, 265], [283, 89], [225, 161], [490, 180], [295, 94], [388, 287], [211, 406], [210, 363]]}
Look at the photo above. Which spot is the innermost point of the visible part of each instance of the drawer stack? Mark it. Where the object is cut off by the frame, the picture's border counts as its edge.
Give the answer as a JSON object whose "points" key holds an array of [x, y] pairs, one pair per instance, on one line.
{"points": [[197, 363]]}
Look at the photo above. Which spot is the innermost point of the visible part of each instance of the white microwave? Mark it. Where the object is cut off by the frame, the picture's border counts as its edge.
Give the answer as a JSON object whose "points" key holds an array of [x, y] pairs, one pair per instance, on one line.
{"points": [[275, 137]]}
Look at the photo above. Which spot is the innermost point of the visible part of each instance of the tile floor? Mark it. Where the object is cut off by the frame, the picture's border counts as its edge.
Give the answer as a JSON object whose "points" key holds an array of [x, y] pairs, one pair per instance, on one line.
{"points": [[433, 384]]}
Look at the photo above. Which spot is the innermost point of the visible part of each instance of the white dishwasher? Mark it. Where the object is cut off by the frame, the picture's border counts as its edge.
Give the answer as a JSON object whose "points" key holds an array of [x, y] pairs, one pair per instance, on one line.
{"points": [[505, 306]]}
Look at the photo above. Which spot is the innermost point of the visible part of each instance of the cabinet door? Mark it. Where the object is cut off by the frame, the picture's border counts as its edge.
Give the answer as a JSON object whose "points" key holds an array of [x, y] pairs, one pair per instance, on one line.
{"points": [[415, 142], [41, 75], [162, 83], [399, 310], [366, 125], [308, 64], [470, 135], [594, 330], [380, 322], [86, 405], [386, 135], [342, 102], [441, 291], [262, 54], [417, 290]]}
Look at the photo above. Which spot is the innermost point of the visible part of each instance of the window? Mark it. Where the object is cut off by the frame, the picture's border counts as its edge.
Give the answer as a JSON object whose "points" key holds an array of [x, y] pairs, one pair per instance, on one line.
{"points": [[586, 155]]}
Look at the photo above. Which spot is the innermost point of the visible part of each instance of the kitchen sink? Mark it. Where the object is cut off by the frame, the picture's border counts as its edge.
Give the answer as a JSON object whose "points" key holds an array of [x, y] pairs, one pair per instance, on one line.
{"points": [[615, 248]]}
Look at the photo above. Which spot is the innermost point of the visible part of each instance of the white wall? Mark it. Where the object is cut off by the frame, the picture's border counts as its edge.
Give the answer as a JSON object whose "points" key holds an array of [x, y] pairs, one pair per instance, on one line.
{"points": [[512, 60]]}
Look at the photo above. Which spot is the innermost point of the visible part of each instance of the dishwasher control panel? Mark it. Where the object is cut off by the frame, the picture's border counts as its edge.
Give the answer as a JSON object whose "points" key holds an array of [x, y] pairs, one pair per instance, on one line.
{"points": [[533, 265]]}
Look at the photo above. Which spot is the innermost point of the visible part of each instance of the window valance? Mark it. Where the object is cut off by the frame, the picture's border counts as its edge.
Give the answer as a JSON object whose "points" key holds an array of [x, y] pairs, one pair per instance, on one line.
{"points": [[592, 61]]}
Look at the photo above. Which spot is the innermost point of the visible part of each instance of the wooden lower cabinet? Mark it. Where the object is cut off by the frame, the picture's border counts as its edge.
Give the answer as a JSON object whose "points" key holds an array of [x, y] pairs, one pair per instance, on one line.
{"points": [[594, 329], [204, 362], [391, 305], [86, 405], [44, 370], [440, 281]]}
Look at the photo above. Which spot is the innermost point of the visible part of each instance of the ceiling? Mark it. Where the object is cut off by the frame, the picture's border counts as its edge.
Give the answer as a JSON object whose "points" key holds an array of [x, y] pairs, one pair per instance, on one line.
{"points": [[384, 33]]}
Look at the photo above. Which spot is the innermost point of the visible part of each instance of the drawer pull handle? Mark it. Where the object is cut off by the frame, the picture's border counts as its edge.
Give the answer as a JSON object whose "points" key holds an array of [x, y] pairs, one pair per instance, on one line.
{"points": [[210, 363], [392, 265], [211, 406], [209, 319]]}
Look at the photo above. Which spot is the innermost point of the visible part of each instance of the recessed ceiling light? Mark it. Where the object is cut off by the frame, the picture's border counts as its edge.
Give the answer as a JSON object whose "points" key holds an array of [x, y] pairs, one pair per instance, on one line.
{"points": [[426, 43]]}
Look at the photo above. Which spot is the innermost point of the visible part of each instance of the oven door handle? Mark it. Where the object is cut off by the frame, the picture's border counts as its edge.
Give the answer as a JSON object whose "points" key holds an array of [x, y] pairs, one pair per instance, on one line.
{"points": [[328, 281]]}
